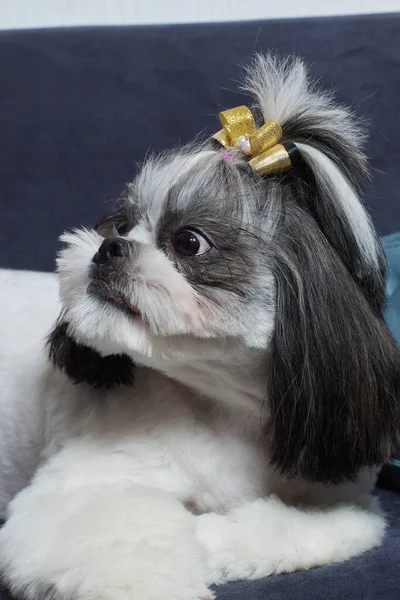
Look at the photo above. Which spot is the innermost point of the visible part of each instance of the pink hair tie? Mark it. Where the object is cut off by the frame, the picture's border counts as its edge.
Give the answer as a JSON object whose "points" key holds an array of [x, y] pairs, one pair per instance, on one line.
{"points": [[226, 155]]}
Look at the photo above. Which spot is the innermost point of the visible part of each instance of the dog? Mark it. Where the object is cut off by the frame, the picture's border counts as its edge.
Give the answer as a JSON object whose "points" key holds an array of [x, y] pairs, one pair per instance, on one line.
{"points": [[220, 386]]}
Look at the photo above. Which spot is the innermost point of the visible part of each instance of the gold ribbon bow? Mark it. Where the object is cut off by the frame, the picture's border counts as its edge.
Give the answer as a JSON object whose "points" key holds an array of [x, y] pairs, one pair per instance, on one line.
{"points": [[239, 130]]}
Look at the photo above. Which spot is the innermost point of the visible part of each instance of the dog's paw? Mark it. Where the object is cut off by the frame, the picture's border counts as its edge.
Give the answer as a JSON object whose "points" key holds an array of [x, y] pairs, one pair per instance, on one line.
{"points": [[112, 545], [267, 536]]}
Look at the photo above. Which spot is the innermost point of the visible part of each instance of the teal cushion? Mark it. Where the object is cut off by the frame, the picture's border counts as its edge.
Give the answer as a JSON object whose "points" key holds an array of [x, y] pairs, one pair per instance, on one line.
{"points": [[391, 245], [390, 474]]}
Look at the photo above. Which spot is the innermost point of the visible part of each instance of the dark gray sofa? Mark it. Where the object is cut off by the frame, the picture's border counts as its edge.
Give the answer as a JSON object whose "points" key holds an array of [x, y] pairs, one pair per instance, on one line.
{"points": [[79, 107]]}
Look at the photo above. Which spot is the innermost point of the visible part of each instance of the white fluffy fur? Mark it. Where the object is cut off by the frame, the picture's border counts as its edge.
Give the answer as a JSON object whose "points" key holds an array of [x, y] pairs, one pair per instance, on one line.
{"points": [[281, 87], [160, 490]]}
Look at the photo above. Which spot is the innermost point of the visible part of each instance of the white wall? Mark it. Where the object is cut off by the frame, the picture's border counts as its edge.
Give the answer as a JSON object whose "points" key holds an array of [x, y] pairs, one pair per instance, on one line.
{"points": [[53, 13], [50, 13]]}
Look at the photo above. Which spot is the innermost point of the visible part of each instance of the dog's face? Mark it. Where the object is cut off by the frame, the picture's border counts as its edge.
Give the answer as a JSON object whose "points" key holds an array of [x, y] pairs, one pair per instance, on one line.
{"points": [[185, 258], [204, 256]]}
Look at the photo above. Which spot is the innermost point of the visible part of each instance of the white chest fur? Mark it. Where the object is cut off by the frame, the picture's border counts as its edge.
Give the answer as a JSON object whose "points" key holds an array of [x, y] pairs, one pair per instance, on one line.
{"points": [[161, 434]]}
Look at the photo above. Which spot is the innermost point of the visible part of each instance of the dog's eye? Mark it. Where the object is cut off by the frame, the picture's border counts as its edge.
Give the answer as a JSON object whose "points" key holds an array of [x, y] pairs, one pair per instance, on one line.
{"points": [[122, 227], [190, 243]]}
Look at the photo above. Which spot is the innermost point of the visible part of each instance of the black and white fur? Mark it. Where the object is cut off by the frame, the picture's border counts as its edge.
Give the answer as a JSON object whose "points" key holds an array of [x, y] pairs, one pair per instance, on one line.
{"points": [[218, 416]]}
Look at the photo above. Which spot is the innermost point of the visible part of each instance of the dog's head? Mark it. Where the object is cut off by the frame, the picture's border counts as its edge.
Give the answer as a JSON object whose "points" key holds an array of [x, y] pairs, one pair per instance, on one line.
{"points": [[203, 253]]}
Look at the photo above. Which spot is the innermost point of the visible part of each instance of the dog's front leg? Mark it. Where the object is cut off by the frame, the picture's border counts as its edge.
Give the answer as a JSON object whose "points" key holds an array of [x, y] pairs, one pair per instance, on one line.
{"points": [[267, 536], [115, 540]]}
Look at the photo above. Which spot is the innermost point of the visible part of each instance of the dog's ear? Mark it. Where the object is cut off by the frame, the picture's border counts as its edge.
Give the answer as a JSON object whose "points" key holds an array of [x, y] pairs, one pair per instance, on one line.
{"points": [[83, 364], [334, 377]]}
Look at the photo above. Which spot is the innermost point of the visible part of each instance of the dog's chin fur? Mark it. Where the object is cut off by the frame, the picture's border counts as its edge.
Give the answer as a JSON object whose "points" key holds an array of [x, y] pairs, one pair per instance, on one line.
{"points": [[221, 415]]}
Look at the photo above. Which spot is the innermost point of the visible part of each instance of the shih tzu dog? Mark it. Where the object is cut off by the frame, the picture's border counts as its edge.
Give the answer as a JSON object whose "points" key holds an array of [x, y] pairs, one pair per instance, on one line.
{"points": [[220, 385]]}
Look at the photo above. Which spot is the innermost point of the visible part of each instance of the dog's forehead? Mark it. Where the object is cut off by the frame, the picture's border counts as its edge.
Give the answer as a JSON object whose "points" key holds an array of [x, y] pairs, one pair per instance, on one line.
{"points": [[178, 183]]}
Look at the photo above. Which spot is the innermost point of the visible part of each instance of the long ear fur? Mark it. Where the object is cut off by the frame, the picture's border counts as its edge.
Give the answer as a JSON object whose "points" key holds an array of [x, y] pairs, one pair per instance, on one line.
{"points": [[334, 378], [83, 364]]}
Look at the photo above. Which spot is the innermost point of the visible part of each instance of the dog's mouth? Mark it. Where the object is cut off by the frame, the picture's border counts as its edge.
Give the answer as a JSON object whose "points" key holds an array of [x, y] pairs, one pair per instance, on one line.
{"points": [[103, 291]]}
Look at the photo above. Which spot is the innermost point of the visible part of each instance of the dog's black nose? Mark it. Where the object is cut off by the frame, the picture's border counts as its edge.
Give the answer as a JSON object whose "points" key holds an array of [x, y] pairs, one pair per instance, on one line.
{"points": [[111, 247]]}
